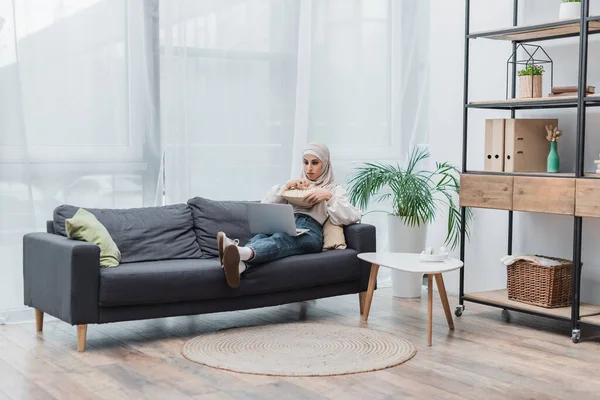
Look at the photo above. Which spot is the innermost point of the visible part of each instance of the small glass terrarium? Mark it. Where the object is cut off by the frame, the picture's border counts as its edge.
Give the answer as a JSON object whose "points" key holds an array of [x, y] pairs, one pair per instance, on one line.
{"points": [[531, 62]]}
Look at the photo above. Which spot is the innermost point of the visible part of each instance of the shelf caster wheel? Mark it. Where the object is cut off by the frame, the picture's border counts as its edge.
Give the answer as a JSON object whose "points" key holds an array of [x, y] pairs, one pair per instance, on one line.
{"points": [[459, 311], [576, 335]]}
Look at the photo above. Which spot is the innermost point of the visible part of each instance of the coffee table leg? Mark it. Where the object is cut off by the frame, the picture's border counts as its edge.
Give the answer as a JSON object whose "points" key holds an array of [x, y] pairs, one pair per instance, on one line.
{"points": [[444, 297], [370, 291], [361, 302], [429, 307]]}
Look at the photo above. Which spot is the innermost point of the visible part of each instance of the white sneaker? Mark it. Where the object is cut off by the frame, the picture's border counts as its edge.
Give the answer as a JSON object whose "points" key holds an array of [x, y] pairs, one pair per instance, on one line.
{"points": [[223, 242]]}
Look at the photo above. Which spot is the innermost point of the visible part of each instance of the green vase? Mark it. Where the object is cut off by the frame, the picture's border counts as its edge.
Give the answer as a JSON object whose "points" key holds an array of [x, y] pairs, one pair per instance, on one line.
{"points": [[553, 159]]}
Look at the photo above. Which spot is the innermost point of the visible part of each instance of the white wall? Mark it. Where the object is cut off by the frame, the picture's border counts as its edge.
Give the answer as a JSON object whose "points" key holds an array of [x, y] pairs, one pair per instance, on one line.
{"points": [[533, 233]]}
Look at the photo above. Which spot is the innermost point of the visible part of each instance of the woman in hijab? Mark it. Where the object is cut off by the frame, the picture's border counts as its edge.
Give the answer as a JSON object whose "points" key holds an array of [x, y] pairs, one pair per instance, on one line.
{"points": [[328, 200]]}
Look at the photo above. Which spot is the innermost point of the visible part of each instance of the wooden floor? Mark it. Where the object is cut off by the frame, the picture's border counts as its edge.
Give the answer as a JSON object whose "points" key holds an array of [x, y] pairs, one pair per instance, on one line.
{"points": [[490, 355]]}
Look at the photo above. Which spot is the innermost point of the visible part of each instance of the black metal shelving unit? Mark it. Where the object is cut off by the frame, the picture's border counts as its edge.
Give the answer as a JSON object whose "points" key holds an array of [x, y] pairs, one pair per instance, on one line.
{"points": [[582, 28]]}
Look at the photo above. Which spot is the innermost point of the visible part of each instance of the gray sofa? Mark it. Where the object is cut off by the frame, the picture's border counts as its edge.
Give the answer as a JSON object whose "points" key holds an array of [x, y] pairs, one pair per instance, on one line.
{"points": [[170, 267]]}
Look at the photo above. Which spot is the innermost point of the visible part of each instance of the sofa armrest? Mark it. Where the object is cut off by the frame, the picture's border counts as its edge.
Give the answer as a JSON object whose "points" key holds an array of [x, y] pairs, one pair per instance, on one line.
{"points": [[61, 277], [361, 237]]}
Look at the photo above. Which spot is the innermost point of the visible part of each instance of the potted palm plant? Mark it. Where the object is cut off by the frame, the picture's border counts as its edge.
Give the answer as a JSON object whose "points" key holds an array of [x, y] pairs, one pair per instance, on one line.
{"points": [[570, 9], [417, 196]]}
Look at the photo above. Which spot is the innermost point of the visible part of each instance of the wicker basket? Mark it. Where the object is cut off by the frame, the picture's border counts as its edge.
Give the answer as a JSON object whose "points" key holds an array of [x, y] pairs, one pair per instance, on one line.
{"points": [[540, 285]]}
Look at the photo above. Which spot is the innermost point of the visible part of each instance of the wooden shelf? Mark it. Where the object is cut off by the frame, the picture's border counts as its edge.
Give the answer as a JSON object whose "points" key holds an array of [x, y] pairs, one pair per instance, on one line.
{"points": [[591, 175], [592, 98], [591, 319], [564, 193], [530, 174], [538, 32], [543, 102], [500, 298]]}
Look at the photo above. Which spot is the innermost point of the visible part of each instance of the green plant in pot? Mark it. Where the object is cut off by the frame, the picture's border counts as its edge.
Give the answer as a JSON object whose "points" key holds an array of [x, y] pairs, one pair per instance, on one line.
{"points": [[417, 196], [570, 9], [530, 81]]}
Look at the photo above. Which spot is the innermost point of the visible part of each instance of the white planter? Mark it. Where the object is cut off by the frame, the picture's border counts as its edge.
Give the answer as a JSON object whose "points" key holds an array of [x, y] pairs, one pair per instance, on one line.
{"points": [[570, 11], [404, 239]]}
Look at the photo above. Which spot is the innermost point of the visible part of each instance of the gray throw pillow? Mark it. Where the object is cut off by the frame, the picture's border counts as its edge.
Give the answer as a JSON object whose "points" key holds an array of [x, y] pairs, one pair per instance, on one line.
{"points": [[143, 234], [212, 216]]}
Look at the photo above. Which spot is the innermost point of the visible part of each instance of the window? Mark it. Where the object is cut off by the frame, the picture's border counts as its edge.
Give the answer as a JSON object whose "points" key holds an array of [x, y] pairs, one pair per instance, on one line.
{"points": [[228, 83]]}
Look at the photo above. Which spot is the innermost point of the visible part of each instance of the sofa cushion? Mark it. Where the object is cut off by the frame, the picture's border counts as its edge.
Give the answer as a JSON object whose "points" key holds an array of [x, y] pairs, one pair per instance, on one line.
{"points": [[173, 281], [86, 227], [333, 236], [211, 216], [143, 234]]}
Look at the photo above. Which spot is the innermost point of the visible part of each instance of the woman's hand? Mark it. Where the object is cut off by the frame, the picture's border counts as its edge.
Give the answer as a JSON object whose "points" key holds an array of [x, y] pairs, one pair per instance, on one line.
{"points": [[298, 184], [318, 195]]}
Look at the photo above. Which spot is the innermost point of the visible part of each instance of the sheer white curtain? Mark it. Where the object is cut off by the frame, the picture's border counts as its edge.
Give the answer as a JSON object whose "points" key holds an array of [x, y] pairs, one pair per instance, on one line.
{"points": [[245, 84], [369, 86], [77, 121], [228, 84], [241, 85]]}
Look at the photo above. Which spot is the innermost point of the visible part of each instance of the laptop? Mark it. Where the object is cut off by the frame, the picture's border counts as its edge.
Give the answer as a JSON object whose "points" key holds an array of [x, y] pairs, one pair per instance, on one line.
{"points": [[272, 218]]}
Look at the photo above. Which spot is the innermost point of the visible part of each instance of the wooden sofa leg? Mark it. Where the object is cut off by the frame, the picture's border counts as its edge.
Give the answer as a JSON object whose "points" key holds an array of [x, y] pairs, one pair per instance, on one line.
{"points": [[39, 320], [81, 335]]}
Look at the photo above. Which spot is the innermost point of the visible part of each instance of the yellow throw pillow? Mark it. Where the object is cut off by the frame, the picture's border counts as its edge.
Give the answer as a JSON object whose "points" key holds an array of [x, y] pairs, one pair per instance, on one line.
{"points": [[333, 236], [86, 227]]}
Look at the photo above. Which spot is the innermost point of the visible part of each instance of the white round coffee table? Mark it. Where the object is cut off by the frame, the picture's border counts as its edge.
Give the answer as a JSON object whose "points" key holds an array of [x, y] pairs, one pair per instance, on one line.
{"points": [[410, 263]]}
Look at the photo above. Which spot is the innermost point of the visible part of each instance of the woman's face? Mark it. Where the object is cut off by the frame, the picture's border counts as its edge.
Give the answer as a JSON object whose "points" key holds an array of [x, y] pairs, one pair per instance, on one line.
{"points": [[313, 167]]}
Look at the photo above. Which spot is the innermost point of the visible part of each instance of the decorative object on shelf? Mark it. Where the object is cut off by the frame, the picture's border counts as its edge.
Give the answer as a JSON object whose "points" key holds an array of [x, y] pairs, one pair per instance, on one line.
{"points": [[530, 81], [416, 196], [539, 280], [494, 145], [516, 145], [560, 91], [431, 255], [597, 162], [531, 59], [553, 160], [570, 9]]}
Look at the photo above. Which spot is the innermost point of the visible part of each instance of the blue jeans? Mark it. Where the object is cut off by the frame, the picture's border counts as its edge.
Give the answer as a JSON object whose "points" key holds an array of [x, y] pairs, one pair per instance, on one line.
{"points": [[270, 248]]}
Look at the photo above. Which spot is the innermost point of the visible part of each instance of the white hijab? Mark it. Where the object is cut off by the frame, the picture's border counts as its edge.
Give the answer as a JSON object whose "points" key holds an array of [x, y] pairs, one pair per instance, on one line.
{"points": [[320, 151]]}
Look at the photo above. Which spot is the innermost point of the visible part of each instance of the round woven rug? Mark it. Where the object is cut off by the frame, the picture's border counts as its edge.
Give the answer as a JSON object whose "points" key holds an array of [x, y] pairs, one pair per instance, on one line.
{"points": [[299, 349]]}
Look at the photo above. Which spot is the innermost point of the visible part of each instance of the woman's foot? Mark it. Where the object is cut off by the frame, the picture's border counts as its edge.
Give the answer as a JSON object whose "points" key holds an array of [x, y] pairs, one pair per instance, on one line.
{"points": [[222, 242], [231, 265]]}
